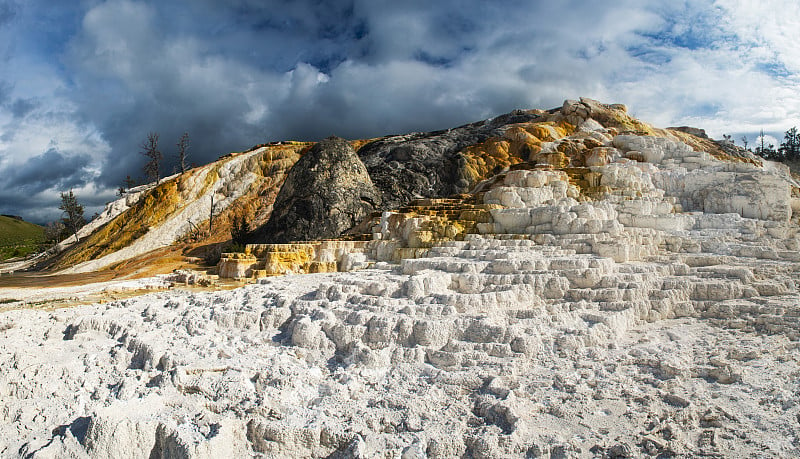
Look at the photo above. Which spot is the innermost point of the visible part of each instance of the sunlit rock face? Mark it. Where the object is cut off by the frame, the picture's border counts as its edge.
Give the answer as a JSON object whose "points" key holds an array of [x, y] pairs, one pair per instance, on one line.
{"points": [[620, 291], [162, 214]]}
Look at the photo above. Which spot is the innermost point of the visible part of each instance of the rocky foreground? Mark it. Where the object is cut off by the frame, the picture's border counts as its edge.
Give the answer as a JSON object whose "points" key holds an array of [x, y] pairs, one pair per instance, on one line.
{"points": [[648, 307]]}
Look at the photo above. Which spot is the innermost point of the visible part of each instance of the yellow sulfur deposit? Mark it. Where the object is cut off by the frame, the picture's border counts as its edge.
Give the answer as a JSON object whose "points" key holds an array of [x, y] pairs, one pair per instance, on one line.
{"points": [[407, 233], [520, 143]]}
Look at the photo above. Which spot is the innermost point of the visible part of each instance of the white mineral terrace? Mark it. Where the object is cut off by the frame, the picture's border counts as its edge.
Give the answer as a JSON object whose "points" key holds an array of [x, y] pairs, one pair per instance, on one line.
{"points": [[662, 320]]}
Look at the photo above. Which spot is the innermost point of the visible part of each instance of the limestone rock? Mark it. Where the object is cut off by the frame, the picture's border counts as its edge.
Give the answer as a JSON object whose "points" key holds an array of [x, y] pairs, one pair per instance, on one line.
{"points": [[620, 295], [327, 192], [236, 265], [691, 130], [613, 115]]}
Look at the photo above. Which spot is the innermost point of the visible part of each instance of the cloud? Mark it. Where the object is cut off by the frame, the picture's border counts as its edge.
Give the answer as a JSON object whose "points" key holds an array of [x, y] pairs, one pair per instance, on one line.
{"points": [[21, 107], [166, 86], [240, 72], [42, 207], [768, 141], [8, 10], [51, 169]]}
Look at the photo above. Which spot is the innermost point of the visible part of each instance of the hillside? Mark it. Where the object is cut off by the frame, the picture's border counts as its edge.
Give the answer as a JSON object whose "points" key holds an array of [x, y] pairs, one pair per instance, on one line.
{"points": [[176, 211], [18, 238], [549, 283]]}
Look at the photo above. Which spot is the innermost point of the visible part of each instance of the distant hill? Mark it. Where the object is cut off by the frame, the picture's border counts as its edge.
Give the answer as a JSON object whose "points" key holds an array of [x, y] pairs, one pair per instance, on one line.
{"points": [[17, 237]]}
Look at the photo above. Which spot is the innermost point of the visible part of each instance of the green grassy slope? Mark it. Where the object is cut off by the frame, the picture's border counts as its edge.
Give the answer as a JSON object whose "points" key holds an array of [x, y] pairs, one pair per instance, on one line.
{"points": [[18, 238]]}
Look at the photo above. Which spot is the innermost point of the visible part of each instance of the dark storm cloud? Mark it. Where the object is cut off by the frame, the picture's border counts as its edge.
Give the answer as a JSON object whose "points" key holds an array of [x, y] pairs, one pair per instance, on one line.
{"points": [[273, 35], [234, 74], [265, 71], [50, 169], [32, 208], [42, 209]]}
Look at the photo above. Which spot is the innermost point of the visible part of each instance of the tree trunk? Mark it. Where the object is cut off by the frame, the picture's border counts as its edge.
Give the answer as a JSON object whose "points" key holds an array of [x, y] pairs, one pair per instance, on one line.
{"points": [[211, 216]]}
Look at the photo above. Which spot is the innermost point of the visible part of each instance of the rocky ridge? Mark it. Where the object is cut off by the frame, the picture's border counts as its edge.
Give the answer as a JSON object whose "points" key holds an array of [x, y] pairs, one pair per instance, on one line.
{"points": [[617, 291]]}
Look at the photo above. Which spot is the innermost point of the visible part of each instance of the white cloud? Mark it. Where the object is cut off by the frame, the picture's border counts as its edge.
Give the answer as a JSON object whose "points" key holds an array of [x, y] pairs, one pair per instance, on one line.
{"points": [[770, 26], [768, 140]]}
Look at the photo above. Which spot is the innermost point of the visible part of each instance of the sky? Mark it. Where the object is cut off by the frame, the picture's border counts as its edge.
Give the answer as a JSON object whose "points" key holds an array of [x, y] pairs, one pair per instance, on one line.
{"points": [[83, 82]]}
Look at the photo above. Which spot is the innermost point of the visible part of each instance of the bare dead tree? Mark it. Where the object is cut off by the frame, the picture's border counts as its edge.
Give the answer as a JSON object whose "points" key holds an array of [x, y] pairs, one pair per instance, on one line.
{"points": [[211, 215], [150, 149], [183, 147]]}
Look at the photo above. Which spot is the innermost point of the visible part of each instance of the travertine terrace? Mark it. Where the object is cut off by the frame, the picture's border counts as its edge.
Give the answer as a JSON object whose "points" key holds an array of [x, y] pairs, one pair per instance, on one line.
{"points": [[613, 290]]}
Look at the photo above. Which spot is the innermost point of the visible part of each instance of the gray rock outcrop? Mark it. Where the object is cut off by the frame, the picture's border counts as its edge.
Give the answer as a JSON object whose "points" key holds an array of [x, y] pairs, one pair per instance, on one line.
{"points": [[327, 192], [430, 164]]}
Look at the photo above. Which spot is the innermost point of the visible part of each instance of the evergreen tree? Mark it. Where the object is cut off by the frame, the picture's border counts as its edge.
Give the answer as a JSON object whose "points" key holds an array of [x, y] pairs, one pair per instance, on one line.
{"points": [[790, 147], [150, 149], [73, 220], [240, 229]]}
